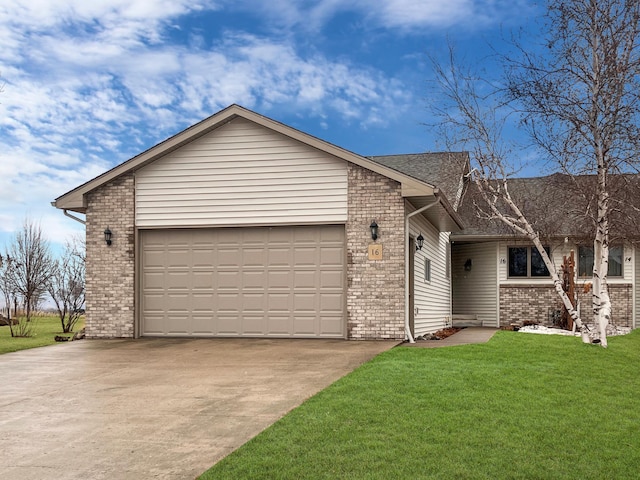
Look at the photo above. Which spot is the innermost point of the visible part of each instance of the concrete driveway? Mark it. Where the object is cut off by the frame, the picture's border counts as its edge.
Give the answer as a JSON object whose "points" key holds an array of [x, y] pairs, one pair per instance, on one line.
{"points": [[154, 408]]}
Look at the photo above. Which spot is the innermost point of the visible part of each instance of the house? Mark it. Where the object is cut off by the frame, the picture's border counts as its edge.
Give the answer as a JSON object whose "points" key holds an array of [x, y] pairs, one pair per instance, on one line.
{"points": [[242, 226], [498, 277]]}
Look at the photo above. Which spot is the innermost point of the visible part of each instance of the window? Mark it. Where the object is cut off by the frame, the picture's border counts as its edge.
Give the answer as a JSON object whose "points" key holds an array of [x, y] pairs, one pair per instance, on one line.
{"points": [[427, 270], [448, 260], [527, 262], [585, 261]]}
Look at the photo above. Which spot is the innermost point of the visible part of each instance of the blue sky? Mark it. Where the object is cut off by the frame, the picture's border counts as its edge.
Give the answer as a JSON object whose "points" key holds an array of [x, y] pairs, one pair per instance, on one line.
{"points": [[91, 83]]}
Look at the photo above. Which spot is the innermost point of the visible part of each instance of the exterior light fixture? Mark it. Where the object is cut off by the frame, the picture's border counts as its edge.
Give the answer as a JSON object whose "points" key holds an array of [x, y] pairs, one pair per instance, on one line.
{"points": [[468, 265], [107, 236], [374, 230], [419, 242]]}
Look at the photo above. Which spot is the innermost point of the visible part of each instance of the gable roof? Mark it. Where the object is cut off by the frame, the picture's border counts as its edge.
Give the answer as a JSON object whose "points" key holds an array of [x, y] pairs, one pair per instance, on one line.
{"points": [[418, 191], [558, 205]]}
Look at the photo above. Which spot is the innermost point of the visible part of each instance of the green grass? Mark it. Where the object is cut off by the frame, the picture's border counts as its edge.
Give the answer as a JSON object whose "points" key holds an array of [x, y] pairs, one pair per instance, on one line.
{"points": [[522, 406], [46, 328]]}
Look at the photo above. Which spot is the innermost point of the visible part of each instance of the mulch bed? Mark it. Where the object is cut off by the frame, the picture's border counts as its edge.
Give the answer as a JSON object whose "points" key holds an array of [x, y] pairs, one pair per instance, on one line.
{"points": [[441, 334]]}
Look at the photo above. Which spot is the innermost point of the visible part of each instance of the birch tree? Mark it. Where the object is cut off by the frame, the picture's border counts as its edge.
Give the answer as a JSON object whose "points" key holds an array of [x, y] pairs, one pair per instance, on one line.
{"points": [[577, 97], [471, 118], [580, 103]]}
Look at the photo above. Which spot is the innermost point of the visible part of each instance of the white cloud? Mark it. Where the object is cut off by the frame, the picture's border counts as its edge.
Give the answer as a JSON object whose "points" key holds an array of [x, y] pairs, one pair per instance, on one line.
{"points": [[92, 83], [406, 15]]}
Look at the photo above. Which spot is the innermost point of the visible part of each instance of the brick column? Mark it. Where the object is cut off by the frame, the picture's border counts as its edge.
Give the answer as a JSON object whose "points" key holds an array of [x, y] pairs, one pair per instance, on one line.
{"points": [[375, 288], [110, 269]]}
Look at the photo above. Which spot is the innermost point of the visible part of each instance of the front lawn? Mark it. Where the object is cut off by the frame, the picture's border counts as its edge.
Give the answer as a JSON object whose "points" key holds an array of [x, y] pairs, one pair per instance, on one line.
{"points": [[47, 327], [522, 406]]}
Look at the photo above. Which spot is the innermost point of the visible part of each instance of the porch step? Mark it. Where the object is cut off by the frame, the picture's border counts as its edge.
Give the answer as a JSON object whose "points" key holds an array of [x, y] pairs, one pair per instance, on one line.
{"points": [[466, 321]]}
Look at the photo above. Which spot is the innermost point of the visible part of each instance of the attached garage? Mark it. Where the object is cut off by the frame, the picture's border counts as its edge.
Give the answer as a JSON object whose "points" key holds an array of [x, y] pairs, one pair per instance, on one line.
{"points": [[284, 281], [240, 226]]}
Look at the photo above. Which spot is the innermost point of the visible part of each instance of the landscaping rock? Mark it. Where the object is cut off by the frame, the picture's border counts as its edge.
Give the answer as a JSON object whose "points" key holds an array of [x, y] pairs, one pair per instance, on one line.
{"points": [[79, 335], [4, 321]]}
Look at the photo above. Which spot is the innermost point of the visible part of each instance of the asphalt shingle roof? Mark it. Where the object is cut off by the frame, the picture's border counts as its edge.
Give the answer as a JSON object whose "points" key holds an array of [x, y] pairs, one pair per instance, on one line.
{"points": [[559, 205], [439, 169]]}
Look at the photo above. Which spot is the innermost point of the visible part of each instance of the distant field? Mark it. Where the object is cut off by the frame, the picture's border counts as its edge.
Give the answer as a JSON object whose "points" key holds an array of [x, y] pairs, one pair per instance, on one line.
{"points": [[46, 328]]}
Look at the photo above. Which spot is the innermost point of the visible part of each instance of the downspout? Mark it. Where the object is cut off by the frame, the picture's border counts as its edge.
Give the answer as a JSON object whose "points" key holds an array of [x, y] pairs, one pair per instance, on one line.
{"points": [[407, 327], [75, 218]]}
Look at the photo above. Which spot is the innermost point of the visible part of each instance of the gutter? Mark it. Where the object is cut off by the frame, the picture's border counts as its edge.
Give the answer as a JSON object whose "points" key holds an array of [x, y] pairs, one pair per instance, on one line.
{"points": [[67, 214], [407, 327]]}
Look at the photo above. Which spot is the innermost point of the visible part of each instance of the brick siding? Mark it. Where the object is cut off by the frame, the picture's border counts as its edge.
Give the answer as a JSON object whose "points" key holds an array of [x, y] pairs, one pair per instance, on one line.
{"points": [[110, 269], [535, 303], [375, 288]]}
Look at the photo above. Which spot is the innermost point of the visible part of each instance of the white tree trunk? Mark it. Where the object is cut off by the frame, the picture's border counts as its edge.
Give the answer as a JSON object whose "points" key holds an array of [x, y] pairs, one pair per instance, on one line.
{"points": [[601, 302], [519, 223]]}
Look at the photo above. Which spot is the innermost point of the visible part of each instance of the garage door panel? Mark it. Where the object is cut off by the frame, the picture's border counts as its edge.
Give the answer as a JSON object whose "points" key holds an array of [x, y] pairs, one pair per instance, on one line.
{"points": [[305, 257], [304, 325], [228, 302], [277, 281], [229, 325], [228, 279], [278, 325], [279, 303], [155, 324], [202, 325], [179, 258], [331, 303], [279, 257], [202, 280], [253, 325], [177, 278], [332, 256], [330, 280], [305, 279], [331, 326], [254, 279], [178, 302], [253, 302], [154, 280], [304, 302], [201, 257], [230, 257], [154, 258]]}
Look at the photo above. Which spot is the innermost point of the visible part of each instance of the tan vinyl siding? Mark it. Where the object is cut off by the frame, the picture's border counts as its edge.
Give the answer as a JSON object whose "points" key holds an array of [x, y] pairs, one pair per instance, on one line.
{"points": [[242, 174], [432, 298], [475, 291]]}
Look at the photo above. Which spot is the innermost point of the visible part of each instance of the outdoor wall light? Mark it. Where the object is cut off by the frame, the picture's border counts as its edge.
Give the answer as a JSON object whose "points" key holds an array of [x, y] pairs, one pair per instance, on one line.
{"points": [[374, 230], [468, 265], [419, 242], [107, 236]]}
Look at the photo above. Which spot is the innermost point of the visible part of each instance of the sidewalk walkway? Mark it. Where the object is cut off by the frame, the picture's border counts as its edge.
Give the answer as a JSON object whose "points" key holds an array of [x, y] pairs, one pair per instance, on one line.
{"points": [[466, 336]]}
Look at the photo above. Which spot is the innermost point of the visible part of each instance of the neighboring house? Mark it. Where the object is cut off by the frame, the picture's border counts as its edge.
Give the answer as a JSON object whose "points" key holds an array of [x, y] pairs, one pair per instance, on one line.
{"points": [[499, 278], [243, 226]]}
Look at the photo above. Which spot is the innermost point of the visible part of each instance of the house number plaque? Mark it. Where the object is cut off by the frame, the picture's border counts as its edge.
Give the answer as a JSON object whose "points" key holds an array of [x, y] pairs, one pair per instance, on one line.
{"points": [[375, 252]]}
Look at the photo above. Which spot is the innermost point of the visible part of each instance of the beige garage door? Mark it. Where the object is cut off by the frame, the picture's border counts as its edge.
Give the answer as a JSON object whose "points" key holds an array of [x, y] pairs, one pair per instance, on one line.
{"points": [[256, 282]]}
